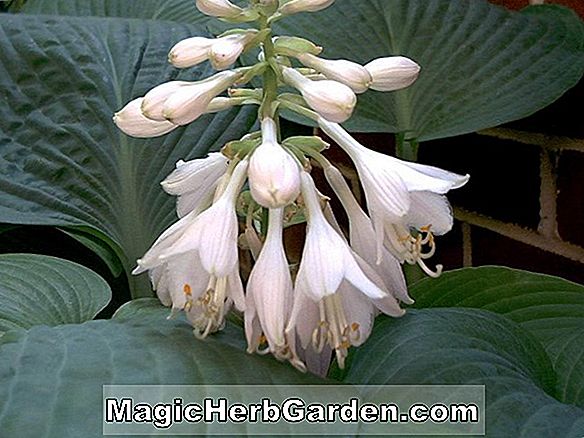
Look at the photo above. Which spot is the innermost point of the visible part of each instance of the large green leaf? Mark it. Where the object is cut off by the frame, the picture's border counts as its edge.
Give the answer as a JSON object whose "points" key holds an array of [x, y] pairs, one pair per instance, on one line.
{"points": [[183, 11], [63, 161], [469, 346], [481, 65], [551, 308], [41, 290], [51, 378]]}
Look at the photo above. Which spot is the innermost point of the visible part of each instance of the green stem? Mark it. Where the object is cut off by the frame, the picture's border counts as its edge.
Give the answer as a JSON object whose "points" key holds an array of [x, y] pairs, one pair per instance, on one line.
{"points": [[405, 148], [270, 77]]}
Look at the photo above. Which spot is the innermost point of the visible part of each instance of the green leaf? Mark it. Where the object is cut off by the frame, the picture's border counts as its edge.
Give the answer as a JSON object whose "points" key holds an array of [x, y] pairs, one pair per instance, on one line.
{"points": [[100, 244], [51, 378], [183, 11], [41, 290], [474, 347], [550, 308], [64, 162], [482, 65]]}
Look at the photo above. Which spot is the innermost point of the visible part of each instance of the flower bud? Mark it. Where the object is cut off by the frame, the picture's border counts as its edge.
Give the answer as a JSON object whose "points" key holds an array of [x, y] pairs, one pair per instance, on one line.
{"points": [[274, 175], [349, 73], [294, 46], [191, 101], [132, 122], [296, 6], [154, 100], [392, 73], [225, 50], [331, 99], [190, 52], [219, 8]]}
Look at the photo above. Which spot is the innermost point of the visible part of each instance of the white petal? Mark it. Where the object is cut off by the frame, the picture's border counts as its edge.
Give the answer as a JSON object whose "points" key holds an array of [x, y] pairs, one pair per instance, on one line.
{"points": [[132, 122], [305, 316], [355, 275], [358, 309], [235, 290], [189, 175], [430, 209], [164, 243], [270, 283], [420, 177]]}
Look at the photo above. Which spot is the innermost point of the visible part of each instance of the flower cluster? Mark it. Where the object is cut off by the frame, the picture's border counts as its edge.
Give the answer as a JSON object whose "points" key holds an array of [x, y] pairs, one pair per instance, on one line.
{"points": [[329, 302]]}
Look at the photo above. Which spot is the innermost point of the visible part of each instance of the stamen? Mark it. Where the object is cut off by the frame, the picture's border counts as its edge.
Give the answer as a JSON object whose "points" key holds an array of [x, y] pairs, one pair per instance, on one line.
{"points": [[428, 271]]}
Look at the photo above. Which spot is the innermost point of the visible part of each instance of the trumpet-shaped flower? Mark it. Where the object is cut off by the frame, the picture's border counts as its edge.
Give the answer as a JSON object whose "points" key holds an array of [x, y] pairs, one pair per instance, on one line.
{"points": [[269, 297], [296, 6], [274, 175], [193, 265], [363, 240], [331, 99], [132, 121], [194, 182], [401, 195], [392, 73], [334, 301], [212, 234], [183, 284], [349, 73], [327, 260], [190, 52]]}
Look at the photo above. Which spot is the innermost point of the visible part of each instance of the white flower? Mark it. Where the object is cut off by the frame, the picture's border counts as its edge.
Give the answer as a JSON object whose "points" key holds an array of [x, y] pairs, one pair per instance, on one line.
{"points": [[187, 102], [219, 8], [194, 182], [193, 265], [331, 99], [274, 175], [327, 260], [132, 122], [295, 6], [345, 317], [269, 297], [401, 195], [363, 240], [334, 300], [182, 283], [392, 73], [190, 52], [212, 234], [349, 73], [225, 50]]}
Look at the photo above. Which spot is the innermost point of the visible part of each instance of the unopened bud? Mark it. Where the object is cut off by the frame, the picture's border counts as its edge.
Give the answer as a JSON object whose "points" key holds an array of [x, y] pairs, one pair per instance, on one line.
{"points": [[154, 100], [274, 175], [219, 8], [225, 50], [392, 73], [190, 52], [132, 122], [349, 73], [315, 144], [293, 46], [296, 6], [331, 99], [190, 102]]}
